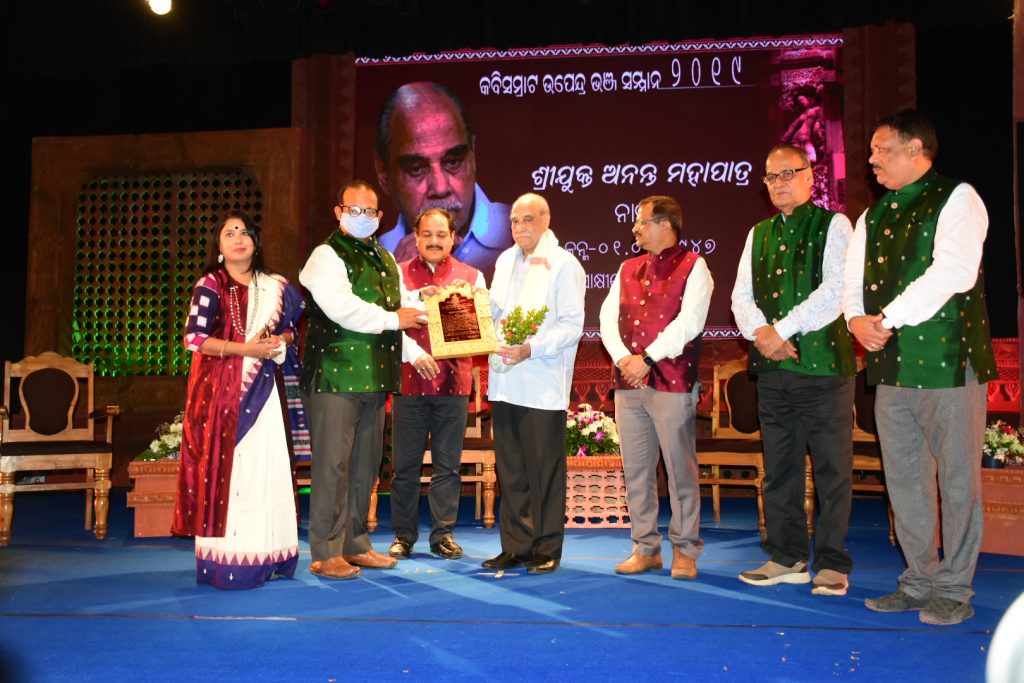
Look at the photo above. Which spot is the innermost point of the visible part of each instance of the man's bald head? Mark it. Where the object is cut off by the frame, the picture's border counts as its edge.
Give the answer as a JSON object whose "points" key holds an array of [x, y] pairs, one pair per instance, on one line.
{"points": [[424, 153]]}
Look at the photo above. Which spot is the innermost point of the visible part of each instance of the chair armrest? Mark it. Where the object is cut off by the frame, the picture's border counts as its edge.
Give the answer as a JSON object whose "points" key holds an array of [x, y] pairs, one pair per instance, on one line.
{"points": [[104, 414]]}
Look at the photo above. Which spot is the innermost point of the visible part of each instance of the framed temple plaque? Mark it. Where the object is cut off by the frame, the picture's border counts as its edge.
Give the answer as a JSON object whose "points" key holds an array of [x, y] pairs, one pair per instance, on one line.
{"points": [[459, 323]]}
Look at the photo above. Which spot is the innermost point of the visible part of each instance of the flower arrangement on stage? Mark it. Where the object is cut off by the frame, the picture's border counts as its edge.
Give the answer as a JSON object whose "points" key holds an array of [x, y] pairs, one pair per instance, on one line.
{"points": [[590, 432], [1003, 445], [167, 443], [518, 326]]}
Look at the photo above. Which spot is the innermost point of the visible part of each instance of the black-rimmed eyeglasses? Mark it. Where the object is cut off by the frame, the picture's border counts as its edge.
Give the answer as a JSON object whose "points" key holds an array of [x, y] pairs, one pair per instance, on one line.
{"points": [[786, 175], [358, 211]]}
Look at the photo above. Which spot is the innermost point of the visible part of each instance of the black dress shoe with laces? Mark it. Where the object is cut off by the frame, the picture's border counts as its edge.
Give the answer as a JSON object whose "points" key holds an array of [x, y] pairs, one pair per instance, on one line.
{"points": [[502, 561], [541, 564], [401, 548], [446, 548]]}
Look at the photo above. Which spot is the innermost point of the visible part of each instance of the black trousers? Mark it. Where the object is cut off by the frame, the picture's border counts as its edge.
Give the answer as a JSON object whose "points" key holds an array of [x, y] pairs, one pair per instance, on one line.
{"points": [[800, 412], [529, 449], [444, 418]]}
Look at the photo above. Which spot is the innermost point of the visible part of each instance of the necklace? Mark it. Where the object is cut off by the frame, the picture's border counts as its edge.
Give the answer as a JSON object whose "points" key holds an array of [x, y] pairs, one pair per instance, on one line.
{"points": [[236, 308]]}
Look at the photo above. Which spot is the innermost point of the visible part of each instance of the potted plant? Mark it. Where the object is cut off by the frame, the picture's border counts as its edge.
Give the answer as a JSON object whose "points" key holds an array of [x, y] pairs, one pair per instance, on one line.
{"points": [[155, 472], [595, 486], [1003, 446]]}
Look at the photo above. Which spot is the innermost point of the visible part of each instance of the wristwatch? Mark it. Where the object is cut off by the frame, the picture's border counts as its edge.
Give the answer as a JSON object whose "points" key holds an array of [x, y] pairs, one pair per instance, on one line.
{"points": [[647, 359]]}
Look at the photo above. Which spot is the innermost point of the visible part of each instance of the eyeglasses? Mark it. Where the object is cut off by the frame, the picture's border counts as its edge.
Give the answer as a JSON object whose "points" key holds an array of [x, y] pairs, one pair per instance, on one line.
{"points": [[357, 211], [640, 221], [786, 175]]}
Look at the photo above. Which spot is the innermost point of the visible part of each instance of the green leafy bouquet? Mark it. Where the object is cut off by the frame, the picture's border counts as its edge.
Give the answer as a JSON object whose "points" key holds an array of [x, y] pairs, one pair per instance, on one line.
{"points": [[518, 326]]}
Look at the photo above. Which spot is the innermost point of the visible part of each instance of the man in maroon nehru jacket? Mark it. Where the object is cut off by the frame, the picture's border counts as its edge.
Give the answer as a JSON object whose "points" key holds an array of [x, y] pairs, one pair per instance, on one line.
{"points": [[434, 400], [651, 324]]}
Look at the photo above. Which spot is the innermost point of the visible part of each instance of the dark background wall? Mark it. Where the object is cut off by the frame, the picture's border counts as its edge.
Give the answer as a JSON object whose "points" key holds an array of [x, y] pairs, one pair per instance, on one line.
{"points": [[109, 67]]}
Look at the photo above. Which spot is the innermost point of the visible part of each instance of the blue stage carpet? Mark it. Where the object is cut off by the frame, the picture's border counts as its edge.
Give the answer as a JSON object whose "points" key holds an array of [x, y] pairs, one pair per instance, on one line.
{"points": [[75, 608]]}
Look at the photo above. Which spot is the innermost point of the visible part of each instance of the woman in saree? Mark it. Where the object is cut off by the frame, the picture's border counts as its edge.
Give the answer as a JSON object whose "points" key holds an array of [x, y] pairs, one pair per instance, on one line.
{"points": [[235, 492]]}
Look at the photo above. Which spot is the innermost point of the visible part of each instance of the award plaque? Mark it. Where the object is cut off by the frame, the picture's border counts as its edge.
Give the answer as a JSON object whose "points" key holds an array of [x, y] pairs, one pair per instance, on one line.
{"points": [[459, 323]]}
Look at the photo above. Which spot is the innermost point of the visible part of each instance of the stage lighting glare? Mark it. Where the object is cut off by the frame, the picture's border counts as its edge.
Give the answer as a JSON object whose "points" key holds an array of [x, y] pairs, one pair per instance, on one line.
{"points": [[160, 6]]}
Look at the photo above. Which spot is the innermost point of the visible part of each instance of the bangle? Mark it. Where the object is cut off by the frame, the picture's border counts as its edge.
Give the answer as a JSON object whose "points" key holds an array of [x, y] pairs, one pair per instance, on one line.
{"points": [[222, 347]]}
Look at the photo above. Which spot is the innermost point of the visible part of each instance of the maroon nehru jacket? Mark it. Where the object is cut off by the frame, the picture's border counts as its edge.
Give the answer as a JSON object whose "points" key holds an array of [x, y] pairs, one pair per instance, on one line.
{"points": [[456, 374], [650, 297]]}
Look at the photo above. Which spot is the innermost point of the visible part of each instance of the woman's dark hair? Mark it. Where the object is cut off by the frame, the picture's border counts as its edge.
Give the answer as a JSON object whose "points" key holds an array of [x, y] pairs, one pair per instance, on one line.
{"points": [[213, 242]]}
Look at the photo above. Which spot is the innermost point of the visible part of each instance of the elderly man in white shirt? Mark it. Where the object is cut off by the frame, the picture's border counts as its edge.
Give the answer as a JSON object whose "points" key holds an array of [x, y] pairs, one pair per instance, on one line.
{"points": [[651, 325], [529, 387]]}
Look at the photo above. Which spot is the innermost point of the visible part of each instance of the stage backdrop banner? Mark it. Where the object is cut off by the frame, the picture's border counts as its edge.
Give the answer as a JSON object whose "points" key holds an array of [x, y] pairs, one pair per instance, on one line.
{"points": [[596, 129]]}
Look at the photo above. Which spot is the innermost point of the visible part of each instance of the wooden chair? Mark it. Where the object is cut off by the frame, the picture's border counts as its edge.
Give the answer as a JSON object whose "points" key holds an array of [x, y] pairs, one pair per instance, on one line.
{"points": [[735, 436], [477, 450], [48, 434], [867, 455]]}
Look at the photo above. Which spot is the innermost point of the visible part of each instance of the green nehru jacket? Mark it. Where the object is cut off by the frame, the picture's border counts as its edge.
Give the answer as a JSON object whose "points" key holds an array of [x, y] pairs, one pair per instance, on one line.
{"points": [[900, 241], [786, 267], [340, 360]]}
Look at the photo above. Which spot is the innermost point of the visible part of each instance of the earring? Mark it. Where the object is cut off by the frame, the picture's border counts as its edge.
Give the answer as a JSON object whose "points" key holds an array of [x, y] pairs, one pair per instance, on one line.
{"points": [[220, 258]]}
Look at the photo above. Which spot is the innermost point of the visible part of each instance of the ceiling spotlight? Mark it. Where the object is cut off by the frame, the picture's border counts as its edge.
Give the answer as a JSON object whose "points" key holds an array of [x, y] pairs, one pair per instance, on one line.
{"points": [[160, 6]]}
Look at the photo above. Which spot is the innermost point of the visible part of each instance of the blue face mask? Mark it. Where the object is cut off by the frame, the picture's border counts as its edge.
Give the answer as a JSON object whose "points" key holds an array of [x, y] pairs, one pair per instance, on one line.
{"points": [[360, 226]]}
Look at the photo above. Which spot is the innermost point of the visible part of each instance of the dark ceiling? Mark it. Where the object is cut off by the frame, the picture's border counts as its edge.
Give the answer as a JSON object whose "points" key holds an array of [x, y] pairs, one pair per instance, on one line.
{"points": [[61, 35]]}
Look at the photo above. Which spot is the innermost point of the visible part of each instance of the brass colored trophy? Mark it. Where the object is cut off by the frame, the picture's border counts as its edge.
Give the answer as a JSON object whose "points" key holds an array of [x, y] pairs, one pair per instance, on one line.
{"points": [[459, 323]]}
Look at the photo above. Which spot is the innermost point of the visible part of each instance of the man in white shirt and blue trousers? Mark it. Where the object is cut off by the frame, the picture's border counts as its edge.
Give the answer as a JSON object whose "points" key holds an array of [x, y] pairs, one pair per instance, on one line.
{"points": [[529, 386]]}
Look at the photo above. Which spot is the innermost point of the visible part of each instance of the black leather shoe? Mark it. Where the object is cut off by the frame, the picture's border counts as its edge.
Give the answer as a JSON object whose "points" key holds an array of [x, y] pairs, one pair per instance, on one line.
{"points": [[502, 561], [446, 548], [541, 564], [401, 548]]}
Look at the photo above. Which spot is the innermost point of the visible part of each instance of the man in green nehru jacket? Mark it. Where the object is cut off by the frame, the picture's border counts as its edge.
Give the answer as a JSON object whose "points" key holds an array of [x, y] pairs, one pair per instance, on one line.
{"points": [[352, 361], [915, 298], [787, 300]]}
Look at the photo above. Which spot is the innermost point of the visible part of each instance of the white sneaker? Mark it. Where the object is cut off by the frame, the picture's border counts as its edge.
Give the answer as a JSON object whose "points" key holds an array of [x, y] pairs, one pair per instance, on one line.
{"points": [[771, 573]]}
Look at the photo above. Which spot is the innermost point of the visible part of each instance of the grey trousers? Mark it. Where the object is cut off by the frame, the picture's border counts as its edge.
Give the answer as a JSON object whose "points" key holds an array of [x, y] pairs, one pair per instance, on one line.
{"points": [[648, 420], [413, 417], [929, 437], [798, 411], [347, 438]]}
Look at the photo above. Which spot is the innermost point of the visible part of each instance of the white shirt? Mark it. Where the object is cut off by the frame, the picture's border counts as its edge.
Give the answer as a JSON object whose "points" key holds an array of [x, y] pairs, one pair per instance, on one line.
{"points": [[820, 308], [683, 329], [956, 257], [326, 279], [544, 380]]}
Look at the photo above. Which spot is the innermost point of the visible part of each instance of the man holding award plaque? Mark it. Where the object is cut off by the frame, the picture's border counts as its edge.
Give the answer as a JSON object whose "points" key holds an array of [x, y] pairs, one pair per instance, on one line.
{"points": [[435, 395], [537, 305]]}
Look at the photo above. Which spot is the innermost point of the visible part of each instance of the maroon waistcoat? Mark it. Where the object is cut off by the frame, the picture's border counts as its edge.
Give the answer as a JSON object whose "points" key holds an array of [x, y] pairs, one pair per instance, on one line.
{"points": [[650, 297], [456, 374]]}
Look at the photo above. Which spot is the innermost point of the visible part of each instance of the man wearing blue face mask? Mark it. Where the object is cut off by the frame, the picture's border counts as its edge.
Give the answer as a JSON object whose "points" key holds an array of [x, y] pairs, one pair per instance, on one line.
{"points": [[353, 360]]}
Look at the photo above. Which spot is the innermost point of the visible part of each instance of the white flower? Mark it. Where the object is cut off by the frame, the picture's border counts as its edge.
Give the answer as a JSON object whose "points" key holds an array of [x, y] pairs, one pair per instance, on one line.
{"points": [[584, 407], [176, 428], [170, 439], [569, 424], [155, 446]]}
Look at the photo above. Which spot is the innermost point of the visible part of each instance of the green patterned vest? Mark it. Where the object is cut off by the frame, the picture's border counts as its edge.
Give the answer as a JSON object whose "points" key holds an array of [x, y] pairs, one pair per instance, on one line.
{"points": [[340, 360], [900, 241], [786, 266]]}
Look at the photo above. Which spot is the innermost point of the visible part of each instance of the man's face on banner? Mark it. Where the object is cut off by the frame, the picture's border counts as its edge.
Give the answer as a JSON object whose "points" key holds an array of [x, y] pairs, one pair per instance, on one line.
{"points": [[430, 161]]}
